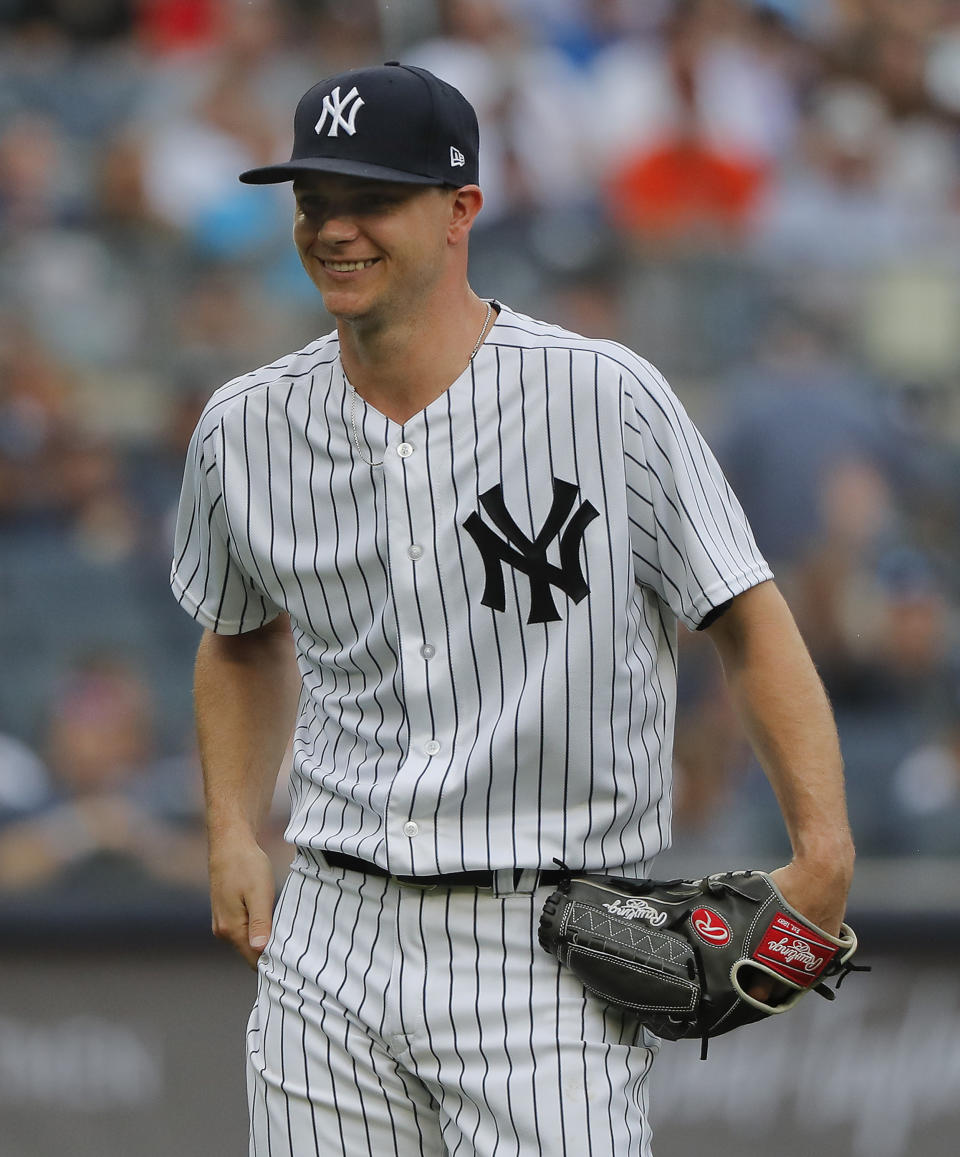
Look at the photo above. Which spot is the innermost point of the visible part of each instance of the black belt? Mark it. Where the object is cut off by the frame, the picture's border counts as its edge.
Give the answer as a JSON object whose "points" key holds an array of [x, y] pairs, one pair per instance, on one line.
{"points": [[476, 879]]}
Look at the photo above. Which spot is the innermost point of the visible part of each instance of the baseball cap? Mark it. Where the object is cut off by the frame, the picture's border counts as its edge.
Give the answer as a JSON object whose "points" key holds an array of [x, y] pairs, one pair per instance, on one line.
{"points": [[393, 122]]}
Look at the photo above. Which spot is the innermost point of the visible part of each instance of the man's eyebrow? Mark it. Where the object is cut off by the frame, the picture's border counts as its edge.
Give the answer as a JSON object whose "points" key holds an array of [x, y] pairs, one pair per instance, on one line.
{"points": [[378, 190]]}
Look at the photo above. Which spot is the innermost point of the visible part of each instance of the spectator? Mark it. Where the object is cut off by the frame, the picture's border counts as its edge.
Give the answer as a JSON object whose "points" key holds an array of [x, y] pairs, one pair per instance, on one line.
{"points": [[192, 162], [529, 102], [34, 163], [782, 279], [925, 796], [24, 780], [111, 805], [835, 209]]}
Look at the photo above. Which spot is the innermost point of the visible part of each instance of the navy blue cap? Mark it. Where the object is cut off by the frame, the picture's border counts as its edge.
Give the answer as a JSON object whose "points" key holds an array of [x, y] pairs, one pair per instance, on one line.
{"points": [[394, 122]]}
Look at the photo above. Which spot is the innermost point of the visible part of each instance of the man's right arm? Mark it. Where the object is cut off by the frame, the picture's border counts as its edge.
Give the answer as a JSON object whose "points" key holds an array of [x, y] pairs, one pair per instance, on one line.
{"points": [[246, 689]]}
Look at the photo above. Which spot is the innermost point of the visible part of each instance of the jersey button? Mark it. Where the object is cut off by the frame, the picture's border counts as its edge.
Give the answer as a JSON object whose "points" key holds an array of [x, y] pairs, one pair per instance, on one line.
{"points": [[428, 650], [431, 747], [404, 449], [411, 829], [415, 552]]}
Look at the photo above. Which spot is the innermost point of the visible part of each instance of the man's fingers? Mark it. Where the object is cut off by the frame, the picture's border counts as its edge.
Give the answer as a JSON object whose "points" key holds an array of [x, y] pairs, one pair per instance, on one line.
{"points": [[248, 941], [766, 991], [258, 929], [258, 899], [242, 891], [246, 926], [765, 988]]}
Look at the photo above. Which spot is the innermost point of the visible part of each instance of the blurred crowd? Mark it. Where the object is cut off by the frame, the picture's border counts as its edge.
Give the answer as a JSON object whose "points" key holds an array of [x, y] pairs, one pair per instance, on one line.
{"points": [[763, 198]]}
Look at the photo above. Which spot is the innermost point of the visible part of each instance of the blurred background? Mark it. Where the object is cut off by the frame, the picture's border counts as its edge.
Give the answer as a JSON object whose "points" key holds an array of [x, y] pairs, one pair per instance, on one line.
{"points": [[763, 198]]}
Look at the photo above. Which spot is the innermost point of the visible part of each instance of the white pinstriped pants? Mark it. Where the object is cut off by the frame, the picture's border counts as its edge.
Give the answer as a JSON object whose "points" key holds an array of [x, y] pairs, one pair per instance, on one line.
{"points": [[393, 1020]]}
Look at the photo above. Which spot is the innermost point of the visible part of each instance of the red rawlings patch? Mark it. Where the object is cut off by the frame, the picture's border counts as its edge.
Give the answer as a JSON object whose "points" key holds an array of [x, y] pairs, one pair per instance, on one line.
{"points": [[711, 927], [795, 952]]}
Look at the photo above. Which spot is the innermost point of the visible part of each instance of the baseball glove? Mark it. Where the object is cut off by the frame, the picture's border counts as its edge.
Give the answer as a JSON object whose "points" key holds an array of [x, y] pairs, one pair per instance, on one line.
{"points": [[682, 954]]}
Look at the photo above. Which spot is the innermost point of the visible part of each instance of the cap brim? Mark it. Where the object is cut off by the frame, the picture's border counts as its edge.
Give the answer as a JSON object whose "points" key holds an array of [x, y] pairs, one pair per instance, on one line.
{"points": [[290, 170]]}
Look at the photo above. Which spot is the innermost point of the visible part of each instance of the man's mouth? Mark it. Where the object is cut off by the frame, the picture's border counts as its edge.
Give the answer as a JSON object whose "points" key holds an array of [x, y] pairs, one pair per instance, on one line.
{"points": [[349, 266]]}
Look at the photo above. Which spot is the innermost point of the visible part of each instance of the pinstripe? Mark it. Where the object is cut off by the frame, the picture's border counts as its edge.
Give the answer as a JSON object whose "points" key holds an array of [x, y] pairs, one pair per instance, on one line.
{"points": [[386, 1099], [338, 792], [485, 1058], [268, 451], [305, 1051], [473, 669], [329, 1035], [534, 1061], [270, 1009], [566, 755], [371, 654], [507, 1057], [432, 1024], [598, 451], [496, 716], [347, 1026], [249, 489], [230, 570], [525, 677], [445, 618], [540, 732], [455, 1000], [559, 1098], [417, 603], [536, 404], [588, 672], [387, 1017]]}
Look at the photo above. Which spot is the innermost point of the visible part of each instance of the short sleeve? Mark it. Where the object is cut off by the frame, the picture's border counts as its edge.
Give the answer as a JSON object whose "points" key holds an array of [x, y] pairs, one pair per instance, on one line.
{"points": [[692, 543], [206, 579]]}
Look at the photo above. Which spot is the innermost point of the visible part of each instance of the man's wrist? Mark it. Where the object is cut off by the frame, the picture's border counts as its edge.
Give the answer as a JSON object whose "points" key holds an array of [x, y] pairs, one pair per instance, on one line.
{"points": [[832, 858]]}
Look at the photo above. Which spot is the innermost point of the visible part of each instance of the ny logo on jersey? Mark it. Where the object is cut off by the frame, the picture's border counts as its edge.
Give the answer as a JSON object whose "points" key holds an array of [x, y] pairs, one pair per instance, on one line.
{"points": [[334, 108], [529, 556]]}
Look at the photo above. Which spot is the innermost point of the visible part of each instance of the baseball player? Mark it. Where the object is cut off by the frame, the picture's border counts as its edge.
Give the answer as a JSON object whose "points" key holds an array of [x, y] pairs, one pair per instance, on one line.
{"points": [[447, 546]]}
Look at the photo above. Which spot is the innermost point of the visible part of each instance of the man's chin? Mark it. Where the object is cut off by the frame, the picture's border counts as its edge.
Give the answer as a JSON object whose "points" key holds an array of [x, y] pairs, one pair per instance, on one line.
{"points": [[338, 305], [347, 308]]}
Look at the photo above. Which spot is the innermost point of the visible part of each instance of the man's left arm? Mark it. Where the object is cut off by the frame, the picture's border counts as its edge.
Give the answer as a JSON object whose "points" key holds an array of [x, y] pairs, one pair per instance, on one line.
{"points": [[787, 718]]}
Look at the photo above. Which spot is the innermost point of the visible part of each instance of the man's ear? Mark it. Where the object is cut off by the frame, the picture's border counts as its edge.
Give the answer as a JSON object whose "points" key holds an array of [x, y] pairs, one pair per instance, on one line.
{"points": [[466, 204]]}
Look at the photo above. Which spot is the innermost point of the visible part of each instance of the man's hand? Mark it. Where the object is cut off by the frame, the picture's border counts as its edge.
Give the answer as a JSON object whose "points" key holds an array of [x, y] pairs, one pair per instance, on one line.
{"points": [[245, 692], [242, 894], [787, 718], [821, 896]]}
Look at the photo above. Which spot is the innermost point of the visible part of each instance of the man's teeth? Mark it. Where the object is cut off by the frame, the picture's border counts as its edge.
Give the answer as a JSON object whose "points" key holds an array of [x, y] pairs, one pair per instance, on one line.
{"points": [[348, 266]]}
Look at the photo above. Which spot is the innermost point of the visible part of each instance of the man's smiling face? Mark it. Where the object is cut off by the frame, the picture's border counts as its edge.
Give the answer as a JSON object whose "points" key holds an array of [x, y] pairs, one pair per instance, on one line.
{"points": [[370, 247]]}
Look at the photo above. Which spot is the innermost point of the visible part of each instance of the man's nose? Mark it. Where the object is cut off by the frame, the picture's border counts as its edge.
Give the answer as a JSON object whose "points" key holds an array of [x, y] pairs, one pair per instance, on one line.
{"points": [[337, 226]]}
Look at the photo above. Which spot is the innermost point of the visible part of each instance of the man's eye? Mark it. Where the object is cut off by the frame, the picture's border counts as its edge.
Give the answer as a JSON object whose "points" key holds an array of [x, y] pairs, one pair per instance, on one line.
{"points": [[380, 203]]}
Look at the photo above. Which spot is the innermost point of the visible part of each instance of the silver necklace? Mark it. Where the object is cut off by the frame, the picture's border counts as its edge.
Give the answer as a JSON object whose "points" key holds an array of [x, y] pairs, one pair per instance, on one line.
{"points": [[353, 392]]}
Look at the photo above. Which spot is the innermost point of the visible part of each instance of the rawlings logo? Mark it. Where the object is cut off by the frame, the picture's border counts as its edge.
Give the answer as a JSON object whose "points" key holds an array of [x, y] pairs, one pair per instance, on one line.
{"points": [[711, 928], [793, 951], [636, 910], [796, 952]]}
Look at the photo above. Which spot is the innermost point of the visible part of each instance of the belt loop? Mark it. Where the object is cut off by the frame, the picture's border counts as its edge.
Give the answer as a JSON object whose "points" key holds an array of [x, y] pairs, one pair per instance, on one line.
{"points": [[507, 881]]}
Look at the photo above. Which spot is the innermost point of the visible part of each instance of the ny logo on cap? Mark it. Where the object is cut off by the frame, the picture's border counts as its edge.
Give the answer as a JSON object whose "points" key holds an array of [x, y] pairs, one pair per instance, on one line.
{"points": [[334, 107]]}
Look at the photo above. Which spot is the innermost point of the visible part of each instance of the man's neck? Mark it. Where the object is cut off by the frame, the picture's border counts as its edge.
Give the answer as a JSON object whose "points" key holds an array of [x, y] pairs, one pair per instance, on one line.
{"points": [[400, 369]]}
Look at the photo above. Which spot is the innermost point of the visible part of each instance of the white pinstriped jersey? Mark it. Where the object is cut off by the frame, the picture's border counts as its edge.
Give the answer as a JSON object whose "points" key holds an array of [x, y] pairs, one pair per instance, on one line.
{"points": [[486, 622]]}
